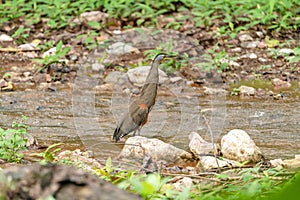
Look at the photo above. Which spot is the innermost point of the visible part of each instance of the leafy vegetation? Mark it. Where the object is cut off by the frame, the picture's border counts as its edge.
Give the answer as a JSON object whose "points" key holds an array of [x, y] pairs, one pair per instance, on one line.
{"points": [[229, 17], [219, 60], [236, 15], [169, 65], [238, 183], [59, 53], [49, 154], [12, 141]]}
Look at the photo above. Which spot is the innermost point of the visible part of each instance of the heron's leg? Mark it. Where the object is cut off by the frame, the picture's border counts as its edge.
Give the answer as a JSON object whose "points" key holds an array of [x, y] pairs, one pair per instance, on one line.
{"points": [[134, 133], [139, 131]]}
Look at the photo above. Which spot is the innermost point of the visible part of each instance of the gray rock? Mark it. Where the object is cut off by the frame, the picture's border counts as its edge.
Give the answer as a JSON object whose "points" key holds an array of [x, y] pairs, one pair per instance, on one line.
{"points": [[249, 55], [262, 45], [199, 146], [245, 37], [237, 145], [214, 91], [57, 182], [3, 83], [31, 142], [28, 46], [183, 182], [247, 91], [250, 45], [116, 77], [210, 162], [97, 67], [280, 83], [175, 79], [138, 147], [120, 48], [95, 16], [5, 38], [137, 76]]}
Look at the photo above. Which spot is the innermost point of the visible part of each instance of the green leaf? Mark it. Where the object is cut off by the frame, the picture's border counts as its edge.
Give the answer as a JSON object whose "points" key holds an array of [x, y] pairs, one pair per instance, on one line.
{"points": [[59, 46]]}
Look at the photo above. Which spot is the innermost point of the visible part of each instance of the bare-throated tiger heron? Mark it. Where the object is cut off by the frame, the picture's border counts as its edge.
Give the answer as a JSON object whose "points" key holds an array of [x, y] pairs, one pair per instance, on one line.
{"points": [[139, 109]]}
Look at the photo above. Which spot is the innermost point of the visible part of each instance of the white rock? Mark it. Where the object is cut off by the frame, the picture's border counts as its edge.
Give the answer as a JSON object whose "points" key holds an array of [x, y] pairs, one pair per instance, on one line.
{"points": [[292, 163], [237, 145], [137, 147], [252, 56], [280, 83], [245, 37], [237, 49], [234, 64], [189, 83], [199, 146], [137, 76], [276, 162], [104, 88], [210, 162], [117, 32], [27, 74], [246, 91], [249, 55], [262, 60], [31, 54], [27, 46], [184, 182], [285, 51], [5, 38], [50, 52], [94, 16], [259, 34], [120, 48]]}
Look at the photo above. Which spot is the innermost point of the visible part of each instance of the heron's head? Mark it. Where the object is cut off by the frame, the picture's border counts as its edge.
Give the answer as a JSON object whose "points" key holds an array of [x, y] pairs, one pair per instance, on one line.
{"points": [[161, 56]]}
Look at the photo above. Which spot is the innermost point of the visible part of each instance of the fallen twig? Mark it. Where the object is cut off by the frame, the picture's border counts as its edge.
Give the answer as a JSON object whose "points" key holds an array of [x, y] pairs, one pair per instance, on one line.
{"points": [[15, 50]]}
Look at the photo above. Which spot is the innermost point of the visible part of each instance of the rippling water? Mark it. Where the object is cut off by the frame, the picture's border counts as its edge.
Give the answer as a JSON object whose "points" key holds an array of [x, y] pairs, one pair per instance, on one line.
{"points": [[82, 118]]}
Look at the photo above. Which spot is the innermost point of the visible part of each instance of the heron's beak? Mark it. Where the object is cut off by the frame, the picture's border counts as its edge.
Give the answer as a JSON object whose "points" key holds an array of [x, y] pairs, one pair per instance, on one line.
{"points": [[170, 57]]}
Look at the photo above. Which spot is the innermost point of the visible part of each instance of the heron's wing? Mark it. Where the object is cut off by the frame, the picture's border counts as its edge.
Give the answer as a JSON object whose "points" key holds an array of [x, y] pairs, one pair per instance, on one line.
{"points": [[126, 126], [135, 117], [139, 112]]}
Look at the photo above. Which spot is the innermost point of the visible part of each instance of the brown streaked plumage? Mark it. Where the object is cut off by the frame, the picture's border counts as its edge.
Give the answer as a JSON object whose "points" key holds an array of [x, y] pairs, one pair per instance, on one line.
{"points": [[139, 109]]}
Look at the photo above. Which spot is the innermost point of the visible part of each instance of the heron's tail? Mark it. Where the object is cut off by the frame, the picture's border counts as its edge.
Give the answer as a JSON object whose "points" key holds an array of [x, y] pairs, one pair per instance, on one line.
{"points": [[117, 134]]}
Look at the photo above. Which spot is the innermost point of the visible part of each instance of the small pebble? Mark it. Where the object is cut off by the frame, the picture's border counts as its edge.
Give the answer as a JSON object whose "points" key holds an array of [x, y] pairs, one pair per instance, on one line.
{"points": [[5, 38], [245, 37]]}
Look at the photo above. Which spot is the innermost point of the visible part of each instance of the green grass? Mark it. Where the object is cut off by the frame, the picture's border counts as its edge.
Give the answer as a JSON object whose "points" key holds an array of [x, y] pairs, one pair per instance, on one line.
{"points": [[235, 15]]}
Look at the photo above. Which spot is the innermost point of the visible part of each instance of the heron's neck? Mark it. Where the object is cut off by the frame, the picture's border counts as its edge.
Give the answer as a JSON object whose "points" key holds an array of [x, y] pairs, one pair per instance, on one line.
{"points": [[153, 75]]}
